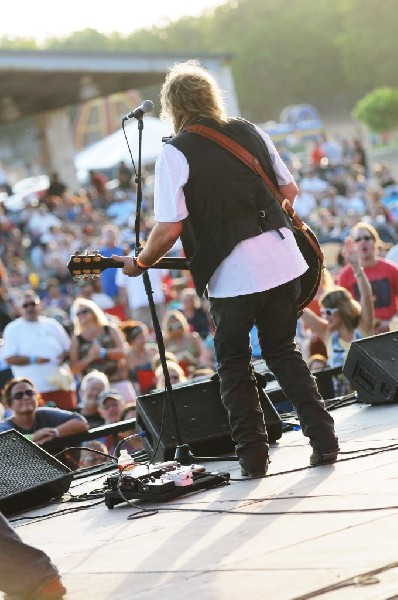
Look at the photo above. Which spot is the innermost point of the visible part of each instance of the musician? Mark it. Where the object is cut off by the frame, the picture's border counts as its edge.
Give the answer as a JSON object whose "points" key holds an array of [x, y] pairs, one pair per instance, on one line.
{"points": [[246, 258], [26, 572]]}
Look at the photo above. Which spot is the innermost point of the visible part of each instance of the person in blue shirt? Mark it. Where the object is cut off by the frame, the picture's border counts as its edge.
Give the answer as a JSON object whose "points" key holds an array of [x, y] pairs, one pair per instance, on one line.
{"points": [[41, 425], [110, 234]]}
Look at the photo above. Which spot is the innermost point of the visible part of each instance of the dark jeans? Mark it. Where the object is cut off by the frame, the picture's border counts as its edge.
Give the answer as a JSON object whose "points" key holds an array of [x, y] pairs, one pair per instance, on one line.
{"points": [[22, 567], [274, 313]]}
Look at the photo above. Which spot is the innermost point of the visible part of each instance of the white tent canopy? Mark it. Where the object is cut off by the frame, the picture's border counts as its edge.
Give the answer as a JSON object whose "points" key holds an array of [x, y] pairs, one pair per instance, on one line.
{"points": [[108, 152]]}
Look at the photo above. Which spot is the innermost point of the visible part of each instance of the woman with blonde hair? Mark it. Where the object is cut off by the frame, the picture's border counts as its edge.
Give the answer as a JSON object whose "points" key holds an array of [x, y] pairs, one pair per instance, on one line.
{"points": [[186, 345], [176, 374], [343, 319], [98, 344]]}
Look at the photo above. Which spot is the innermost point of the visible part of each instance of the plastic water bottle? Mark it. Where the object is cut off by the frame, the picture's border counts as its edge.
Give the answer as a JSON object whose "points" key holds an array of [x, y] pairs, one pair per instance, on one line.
{"points": [[125, 462]]}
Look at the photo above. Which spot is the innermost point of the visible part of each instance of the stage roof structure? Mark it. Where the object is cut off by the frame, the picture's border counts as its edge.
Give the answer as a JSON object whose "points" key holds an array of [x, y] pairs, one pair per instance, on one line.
{"points": [[37, 81]]}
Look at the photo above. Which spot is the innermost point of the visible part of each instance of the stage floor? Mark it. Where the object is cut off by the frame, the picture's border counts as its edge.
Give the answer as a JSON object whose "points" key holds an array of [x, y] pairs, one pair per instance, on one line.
{"points": [[302, 532]]}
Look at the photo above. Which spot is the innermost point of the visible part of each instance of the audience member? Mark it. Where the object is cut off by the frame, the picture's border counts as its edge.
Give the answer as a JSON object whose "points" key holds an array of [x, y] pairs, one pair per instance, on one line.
{"points": [[35, 346], [305, 204], [178, 339], [56, 187], [176, 374], [97, 343], [88, 458], [55, 297], [91, 290], [359, 155], [132, 444], [109, 236], [91, 387], [197, 317], [317, 362], [343, 319], [133, 298], [382, 274], [139, 356], [110, 407], [41, 425]]}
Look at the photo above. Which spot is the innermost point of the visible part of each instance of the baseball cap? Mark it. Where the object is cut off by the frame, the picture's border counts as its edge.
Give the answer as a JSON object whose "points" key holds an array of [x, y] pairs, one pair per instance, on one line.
{"points": [[111, 394]]}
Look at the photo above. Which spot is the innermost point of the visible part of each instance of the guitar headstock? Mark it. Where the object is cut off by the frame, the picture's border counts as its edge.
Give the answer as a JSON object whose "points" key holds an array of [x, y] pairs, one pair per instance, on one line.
{"points": [[89, 266]]}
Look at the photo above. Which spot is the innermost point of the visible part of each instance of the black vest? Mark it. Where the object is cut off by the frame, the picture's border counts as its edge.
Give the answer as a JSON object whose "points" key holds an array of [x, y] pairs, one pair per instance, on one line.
{"points": [[226, 201]]}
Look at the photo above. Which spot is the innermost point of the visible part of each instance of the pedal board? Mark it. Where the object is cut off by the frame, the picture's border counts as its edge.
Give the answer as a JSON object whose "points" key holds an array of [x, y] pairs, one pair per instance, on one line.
{"points": [[156, 487]]}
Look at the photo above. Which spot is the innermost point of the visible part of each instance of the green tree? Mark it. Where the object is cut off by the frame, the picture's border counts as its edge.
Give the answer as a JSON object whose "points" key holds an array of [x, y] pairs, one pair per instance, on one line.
{"points": [[86, 40], [378, 110], [19, 43], [368, 43]]}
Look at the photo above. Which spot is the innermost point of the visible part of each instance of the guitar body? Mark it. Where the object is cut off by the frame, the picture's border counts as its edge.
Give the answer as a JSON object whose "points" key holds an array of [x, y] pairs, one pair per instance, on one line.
{"points": [[311, 279]]}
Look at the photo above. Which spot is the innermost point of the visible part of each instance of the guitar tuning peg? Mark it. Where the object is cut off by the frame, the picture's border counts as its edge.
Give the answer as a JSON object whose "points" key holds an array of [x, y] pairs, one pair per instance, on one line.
{"points": [[86, 252], [76, 253], [76, 278], [96, 252], [95, 277]]}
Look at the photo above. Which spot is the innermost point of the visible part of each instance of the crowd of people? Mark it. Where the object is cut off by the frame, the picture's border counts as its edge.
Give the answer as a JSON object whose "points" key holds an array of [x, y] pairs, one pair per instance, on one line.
{"points": [[70, 342], [77, 354]]}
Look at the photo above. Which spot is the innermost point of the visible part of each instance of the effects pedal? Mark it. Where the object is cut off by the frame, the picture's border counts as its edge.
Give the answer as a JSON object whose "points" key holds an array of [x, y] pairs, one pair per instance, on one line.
{"points": [[160, 482]]}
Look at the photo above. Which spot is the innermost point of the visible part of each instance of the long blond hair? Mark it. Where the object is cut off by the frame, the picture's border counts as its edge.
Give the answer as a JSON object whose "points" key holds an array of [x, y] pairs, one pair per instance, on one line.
{"points": [[190, 91], [85, 303]]}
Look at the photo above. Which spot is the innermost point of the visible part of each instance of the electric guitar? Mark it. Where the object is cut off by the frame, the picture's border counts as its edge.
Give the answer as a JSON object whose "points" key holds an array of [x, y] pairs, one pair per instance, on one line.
{"points": [[90, 266]]}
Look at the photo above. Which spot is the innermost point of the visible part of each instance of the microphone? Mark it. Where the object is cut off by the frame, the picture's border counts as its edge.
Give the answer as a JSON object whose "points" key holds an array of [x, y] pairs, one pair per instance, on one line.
{"points": [[139, 112]]}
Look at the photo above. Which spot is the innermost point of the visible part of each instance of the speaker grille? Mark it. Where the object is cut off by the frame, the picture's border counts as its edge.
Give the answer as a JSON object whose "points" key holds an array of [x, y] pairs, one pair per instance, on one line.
{"points": [[28, 474], [371, 367], [196, 405], [201, 416]]}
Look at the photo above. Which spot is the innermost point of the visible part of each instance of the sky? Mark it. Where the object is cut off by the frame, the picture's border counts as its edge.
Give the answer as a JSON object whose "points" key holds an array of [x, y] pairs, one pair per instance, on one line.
{"points": [[40, 19]]}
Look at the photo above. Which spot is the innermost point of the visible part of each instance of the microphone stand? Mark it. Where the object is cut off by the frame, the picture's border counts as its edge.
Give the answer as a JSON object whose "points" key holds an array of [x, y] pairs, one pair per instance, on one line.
{"points": [[183, 453]]}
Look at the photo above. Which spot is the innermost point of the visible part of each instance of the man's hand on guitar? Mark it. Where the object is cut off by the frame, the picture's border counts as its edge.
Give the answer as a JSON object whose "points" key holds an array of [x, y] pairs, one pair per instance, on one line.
{"points": [[129, 267]]}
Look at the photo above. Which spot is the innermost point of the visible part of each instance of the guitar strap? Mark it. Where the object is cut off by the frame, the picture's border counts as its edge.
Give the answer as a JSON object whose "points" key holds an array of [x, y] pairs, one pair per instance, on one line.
{"points": [[253, 163]]}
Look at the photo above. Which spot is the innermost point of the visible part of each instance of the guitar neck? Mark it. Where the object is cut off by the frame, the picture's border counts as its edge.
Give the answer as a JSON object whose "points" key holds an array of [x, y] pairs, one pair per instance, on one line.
{"points": [[179, 263], [92, 265]]}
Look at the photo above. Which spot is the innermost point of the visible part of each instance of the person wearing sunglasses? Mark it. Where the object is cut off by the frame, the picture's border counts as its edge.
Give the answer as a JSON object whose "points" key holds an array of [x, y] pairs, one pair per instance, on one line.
{"points": [[343, 319], [98, 344], [40, 424], [36, 346], [382, 274]]}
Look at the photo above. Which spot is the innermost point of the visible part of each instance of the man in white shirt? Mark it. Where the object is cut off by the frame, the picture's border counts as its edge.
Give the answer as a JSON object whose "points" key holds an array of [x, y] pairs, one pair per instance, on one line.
{"points": [[35, 347], [244, 253], [133, 298]]}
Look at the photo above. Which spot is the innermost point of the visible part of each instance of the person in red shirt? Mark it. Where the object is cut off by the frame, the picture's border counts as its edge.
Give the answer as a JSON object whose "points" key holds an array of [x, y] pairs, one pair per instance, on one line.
{"points": [[317, 154], [382, 274]]}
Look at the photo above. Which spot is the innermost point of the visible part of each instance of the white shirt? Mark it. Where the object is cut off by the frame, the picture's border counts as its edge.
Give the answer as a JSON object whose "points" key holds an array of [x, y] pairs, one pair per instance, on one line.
{"points": [[304, 204], [45, 338], [256, 264], [135, 289]]}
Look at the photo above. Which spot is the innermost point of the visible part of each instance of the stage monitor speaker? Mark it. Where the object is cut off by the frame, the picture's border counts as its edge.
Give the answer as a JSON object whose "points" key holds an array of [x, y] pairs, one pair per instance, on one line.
{"points": [[202, 419], [371, 367], [29, 476]]}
